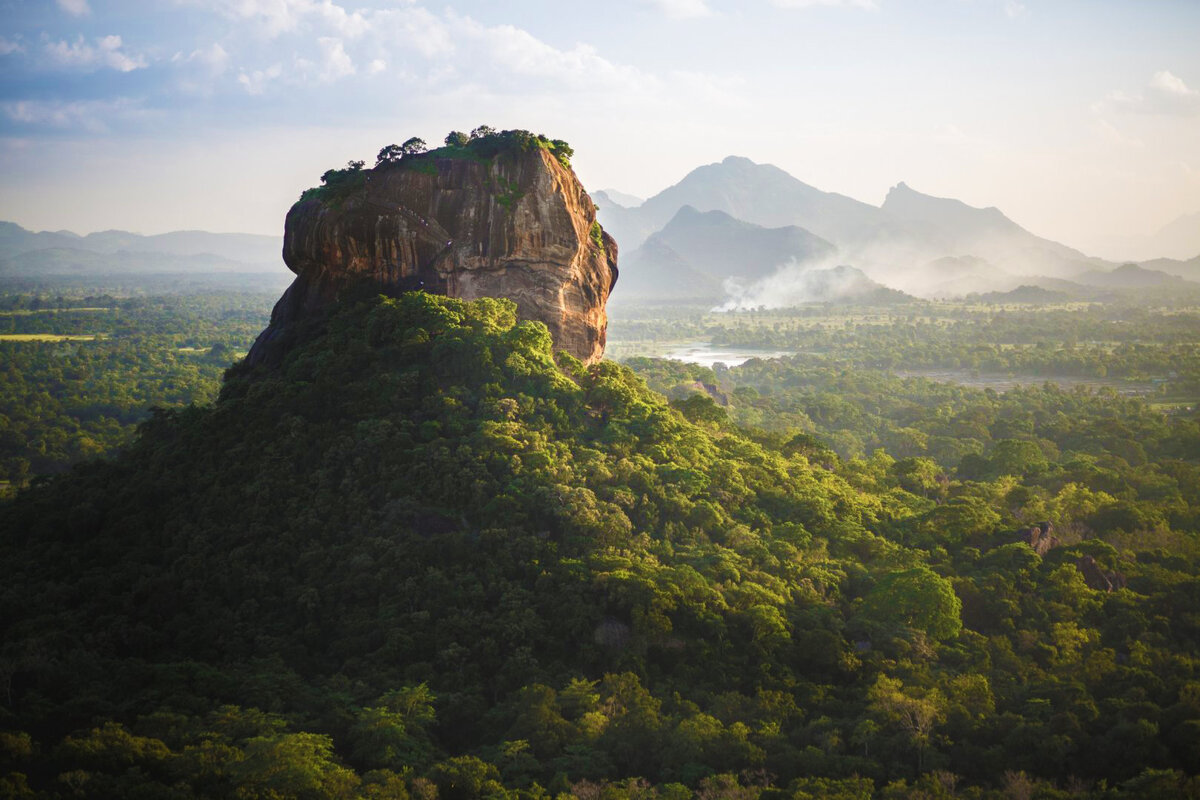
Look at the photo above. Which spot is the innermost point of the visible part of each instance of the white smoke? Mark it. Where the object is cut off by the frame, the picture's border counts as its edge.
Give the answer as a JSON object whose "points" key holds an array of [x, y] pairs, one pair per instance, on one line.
{"points": [[795, 283], [904, 265]]}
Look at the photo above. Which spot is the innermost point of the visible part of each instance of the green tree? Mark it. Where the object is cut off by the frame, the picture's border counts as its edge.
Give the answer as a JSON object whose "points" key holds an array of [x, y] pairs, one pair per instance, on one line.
{"points": [[1017, 457], [917, 598], [390, 154], [914, 712], [413, 146], [299, 765], [394, 733], [466, 778]]}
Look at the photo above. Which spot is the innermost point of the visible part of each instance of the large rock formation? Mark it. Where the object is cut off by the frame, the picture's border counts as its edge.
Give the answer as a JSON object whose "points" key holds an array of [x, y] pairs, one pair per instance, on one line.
{"points": [[514, 223]]}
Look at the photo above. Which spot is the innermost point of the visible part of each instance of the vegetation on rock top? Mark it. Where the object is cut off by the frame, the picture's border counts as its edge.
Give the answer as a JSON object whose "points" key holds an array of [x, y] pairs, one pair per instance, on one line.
{"points": [[482, 144]]}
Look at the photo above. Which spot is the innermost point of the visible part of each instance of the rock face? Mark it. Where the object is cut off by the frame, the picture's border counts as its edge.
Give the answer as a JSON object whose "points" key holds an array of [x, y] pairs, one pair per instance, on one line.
{"points": [[1040, 537], [516, 225], [1097, 578]]}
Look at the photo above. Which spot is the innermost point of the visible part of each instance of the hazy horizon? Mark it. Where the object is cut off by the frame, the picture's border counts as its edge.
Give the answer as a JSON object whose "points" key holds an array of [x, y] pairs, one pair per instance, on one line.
{"points": [[1080, 121]]}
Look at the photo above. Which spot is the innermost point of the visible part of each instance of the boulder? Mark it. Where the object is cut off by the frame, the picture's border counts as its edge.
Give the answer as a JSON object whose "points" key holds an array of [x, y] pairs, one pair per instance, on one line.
{"points": [[1040, 537], [1098, 578]]}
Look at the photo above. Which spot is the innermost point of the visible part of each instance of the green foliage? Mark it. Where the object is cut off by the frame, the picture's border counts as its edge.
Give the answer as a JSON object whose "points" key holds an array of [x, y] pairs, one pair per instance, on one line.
{"points": [[483, 144], [65, 402], [486, 143], [597, 235], [701, 409], [390, 154], [338, 184], [917, 598], [413, 146], [299, 765], [466, 778], [394, 733], [425, 557], [508, 192], [562, 151]]}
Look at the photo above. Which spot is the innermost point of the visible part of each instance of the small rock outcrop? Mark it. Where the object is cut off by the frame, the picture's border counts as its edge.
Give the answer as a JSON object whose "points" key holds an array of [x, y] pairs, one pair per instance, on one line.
{"points": [[1040, 537], [1097, 578], [506, 220]]}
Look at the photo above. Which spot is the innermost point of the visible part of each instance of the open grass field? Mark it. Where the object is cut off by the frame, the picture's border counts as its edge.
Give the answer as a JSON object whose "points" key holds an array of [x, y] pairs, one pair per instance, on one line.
{"points": [[28, 312], [49, 337]]}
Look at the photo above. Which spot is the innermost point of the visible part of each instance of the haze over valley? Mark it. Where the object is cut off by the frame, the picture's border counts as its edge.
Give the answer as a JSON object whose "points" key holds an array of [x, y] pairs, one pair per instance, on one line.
{"points": [[357, 444], [747, 235], [735, 234]]}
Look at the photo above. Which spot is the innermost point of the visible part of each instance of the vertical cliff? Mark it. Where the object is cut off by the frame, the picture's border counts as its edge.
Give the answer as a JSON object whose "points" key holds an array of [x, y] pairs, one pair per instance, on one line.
{"points": [[509, 221]]}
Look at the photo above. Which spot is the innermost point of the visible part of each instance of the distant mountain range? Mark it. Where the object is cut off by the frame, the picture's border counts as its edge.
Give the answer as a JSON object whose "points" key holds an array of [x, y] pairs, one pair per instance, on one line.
{"points": [[954, 228], [25, 253], [1181, 237], [1028, 295], [703, 249], [1130, 276], [1177, 240], [741, 221], [758, 193], [618, 198], [1189, 269]]}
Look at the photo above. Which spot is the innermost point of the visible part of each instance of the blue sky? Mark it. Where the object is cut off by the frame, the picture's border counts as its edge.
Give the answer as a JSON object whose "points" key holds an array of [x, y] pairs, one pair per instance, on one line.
{"points": [[1081, 120]]}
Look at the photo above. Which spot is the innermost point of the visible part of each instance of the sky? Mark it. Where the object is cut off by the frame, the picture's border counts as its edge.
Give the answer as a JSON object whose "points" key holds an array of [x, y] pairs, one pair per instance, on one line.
{"points": [[1078, 119]]}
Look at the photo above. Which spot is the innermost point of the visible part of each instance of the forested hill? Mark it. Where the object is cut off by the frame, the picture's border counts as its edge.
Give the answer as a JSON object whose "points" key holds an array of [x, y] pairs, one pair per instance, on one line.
{"points": [[423, 559]]}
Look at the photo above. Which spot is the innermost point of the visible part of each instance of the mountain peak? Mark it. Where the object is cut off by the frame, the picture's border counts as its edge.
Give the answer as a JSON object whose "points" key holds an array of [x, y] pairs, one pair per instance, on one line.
{"points": [[762, 194], [689, 214], [907, 203], [903, 192], [617, 198]]}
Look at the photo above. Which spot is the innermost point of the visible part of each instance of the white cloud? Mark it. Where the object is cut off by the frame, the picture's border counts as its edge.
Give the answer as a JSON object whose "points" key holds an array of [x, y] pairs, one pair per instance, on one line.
{"points": [[414, 29], [868, 4], [320, 42], [335, 63], [106, 52], [275, 17], [1168, 83], [76, 8], [1165, 93], [683, 9], [510, 58], [272, 16], [1168, 93], [213, 60], [10, 46], [89, 115], [348, 24], [256, 82], [200, 69], [1015, 9]]}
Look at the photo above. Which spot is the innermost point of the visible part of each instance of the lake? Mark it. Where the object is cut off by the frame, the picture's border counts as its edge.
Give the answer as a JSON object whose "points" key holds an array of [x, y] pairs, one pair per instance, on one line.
{"points": [[706, 354]]}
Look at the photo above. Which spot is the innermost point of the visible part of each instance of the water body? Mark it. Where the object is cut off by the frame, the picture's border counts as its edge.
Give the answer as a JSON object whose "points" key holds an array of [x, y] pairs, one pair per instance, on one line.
{"points": [[706, 354]]}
